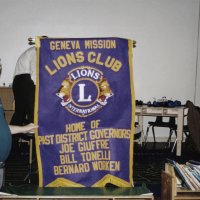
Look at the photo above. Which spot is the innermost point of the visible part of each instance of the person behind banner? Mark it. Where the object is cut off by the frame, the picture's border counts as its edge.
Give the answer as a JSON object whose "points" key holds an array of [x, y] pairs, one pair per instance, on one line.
{"points": [[24, 92]]}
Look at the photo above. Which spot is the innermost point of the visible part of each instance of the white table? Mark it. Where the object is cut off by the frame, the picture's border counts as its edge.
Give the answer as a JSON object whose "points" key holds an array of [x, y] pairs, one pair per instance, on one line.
{"points": [[178, 112]]}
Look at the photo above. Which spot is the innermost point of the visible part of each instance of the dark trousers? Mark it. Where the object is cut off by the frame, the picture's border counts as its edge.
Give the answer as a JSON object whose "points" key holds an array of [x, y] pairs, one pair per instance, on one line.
{"points": [[24, 95]]}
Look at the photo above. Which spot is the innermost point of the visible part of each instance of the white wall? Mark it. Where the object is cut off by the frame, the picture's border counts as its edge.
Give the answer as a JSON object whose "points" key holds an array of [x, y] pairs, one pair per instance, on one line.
{"points": [[165, 30], [197, 78]]}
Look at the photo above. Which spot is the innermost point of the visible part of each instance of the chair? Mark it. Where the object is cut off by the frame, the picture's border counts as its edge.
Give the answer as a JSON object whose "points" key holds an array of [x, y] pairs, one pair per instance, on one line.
{"points": [[171, 124], [137, 133], [29, 137]]}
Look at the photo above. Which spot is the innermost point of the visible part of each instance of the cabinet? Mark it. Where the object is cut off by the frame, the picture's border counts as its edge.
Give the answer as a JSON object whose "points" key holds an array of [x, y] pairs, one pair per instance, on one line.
{"points": [[170, 191], [7, 98]]}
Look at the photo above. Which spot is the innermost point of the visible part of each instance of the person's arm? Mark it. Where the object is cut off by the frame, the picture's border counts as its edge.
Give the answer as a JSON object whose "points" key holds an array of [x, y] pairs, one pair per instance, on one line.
{"points": [[29, 128]]}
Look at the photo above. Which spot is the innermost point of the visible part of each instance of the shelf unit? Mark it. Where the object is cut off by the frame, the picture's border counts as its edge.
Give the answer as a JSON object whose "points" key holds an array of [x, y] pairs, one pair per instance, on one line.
{"points": [[170, 191]]}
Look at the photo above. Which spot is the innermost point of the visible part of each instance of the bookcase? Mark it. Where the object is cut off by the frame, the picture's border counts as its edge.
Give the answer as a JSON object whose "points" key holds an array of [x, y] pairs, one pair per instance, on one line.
{"points": [[7, 98], [169, 189]]}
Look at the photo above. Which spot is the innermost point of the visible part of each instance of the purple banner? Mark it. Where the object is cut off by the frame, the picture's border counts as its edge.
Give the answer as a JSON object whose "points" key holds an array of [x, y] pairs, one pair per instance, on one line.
{"points": [[85, 111]]}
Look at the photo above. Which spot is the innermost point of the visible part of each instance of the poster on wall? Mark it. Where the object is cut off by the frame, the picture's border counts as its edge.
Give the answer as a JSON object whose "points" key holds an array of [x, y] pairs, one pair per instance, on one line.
{"points": [[85, 108]]}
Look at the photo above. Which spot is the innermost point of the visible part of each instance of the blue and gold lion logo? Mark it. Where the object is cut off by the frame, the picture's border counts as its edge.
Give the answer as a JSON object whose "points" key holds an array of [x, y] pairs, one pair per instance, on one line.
{"points": [[84, 91]]}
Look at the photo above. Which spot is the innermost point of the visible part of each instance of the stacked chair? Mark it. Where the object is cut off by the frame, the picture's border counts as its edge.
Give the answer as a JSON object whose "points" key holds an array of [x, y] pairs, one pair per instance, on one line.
{"points": [[171, 124]]}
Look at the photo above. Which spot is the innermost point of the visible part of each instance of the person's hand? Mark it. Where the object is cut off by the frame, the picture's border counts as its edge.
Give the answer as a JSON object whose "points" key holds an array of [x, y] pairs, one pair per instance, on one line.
{"points": [[29, 128]]}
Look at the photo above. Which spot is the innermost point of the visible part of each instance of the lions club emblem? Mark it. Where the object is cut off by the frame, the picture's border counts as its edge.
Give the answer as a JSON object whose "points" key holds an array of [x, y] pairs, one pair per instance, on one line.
{"points": [[84, 91]]}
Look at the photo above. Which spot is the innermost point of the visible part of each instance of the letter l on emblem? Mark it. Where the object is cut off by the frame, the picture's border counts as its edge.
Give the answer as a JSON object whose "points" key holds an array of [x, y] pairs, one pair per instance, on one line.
{"points": [[82, 94]]}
